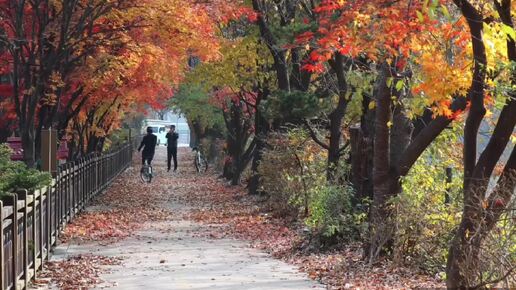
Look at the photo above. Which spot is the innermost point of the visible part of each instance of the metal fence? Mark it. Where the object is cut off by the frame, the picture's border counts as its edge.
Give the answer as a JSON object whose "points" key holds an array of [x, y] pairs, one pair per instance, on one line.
{"points": [[32, 221]]}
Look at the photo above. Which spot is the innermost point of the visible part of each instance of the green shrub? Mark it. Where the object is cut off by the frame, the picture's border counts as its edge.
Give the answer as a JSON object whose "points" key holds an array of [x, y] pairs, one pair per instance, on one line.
{"points": [[332, 213], [293, 174], [425, 221], [14, 175], [291, 167]]}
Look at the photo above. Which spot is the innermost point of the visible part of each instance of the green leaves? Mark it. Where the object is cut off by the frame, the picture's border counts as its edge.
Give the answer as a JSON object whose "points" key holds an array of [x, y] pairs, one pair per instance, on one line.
{"points": [[509, 31], [14, 175], [292, 106]]}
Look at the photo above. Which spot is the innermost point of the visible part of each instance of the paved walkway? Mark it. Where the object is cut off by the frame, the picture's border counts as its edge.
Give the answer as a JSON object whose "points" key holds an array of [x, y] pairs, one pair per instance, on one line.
{"points": [[169, 255]]}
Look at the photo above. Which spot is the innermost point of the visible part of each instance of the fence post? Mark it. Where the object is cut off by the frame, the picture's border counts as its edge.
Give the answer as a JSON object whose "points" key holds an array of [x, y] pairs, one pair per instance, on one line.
{"points": [[49, 150], [14, 246], [48, 237], [2, 253], [42, 229], [25, 245]]}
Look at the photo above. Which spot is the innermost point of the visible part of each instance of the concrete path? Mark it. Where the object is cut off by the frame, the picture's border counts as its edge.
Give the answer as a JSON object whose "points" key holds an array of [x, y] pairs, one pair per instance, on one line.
{"points": [[169, 255]]}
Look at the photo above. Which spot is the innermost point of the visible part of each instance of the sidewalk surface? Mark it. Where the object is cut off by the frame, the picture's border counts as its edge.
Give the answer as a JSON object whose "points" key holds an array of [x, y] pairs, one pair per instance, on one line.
{"points": [[172, 255]]}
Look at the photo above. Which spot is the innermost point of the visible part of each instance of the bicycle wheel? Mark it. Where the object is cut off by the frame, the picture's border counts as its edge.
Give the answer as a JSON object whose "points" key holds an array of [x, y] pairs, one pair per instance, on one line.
{"points": [[150, 174], [201, 164], [204, 164], [197, 162], [145, 174]]}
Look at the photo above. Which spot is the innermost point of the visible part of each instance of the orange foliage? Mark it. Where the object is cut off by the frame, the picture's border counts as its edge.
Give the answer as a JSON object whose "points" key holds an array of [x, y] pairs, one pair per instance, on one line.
{"points": [[141, 68]]}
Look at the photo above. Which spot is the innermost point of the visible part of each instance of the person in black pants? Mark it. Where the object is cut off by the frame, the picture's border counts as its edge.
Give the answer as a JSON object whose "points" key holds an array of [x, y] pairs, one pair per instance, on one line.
{"points": [[172, 137], [149, 146]]}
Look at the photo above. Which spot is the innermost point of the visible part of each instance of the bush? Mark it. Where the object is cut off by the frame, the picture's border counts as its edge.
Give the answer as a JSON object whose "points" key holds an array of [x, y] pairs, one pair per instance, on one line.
{"points": [[332, 214], [14, 175], [291, 167], [425, 220], [293, 174]]}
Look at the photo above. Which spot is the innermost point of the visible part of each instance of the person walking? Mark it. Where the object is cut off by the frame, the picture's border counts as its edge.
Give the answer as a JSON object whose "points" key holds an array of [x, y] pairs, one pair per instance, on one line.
{"points": [[172, 137], [149, 146]]}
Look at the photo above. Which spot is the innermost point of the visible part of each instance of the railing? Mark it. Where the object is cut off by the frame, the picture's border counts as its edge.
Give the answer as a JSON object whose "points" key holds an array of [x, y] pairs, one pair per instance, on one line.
{"points": [[32, 221]]}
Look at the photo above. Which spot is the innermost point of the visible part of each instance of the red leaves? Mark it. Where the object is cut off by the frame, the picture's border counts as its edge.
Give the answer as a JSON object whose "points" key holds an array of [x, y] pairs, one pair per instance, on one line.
{"points": [[6, 90], [327, 6], [315, 56], [78, 272], [499, 203], [123, 212], [304, 37], [99, 226], [314, 68]]}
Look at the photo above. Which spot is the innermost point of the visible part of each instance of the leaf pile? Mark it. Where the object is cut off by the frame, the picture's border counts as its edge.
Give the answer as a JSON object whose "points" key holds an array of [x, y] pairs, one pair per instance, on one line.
{"points": [[98, 226], [78, 272]]}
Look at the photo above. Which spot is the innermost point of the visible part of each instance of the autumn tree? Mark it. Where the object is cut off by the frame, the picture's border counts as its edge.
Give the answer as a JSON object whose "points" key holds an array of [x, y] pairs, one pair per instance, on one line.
{"points": [[402, 113], [493, 76], [237, 83], [141, 70], [44, 41], [52, 46]]}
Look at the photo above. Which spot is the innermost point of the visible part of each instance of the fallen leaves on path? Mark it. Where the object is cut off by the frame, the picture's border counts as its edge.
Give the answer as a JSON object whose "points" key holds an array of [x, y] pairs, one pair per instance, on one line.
{"points": [[118, 212], [113, 215], [78, 272], [238, 216], [98, 226], [226, 212]]}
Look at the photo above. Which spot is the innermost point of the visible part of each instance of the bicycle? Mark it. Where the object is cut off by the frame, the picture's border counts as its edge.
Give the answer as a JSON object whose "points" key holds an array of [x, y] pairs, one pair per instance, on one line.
{"points": [[146, 172], [200, 162]]}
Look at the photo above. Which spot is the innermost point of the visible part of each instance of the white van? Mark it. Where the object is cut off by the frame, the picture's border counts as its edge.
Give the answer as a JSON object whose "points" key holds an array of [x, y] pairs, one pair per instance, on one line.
{"points": [[160, 128]]}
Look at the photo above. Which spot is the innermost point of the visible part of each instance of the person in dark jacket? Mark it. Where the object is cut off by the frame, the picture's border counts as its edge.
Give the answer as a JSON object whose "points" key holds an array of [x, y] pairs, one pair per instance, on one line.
{"points": [[172, 137], [149, 146]]}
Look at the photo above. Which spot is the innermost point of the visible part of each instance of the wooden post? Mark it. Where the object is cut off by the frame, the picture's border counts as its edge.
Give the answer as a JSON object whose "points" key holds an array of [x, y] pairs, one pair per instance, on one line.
{"points": [[49, 151], [14, 265], [25, 242], [2, 254]]}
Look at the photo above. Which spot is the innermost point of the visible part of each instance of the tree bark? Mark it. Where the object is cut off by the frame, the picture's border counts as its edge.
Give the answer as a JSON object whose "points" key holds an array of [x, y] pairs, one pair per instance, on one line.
{"points": [[261, 131], [336, 117], [463, 257], [382, 179]]}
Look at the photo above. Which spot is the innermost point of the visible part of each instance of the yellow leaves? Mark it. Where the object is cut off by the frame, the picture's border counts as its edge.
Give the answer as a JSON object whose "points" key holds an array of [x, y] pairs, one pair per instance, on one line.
{"points": [[49, 99], [240, 67], [495, 38], [439, 79], [56, 81], [509, 31]]}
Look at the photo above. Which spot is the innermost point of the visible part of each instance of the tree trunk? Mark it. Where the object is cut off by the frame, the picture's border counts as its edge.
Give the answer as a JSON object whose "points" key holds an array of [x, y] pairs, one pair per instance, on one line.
{"points": [[260, 137], [28, 142], [261, 130], [254, 182], [360, 165], [384, 179], [334, 150], [463, 256]]}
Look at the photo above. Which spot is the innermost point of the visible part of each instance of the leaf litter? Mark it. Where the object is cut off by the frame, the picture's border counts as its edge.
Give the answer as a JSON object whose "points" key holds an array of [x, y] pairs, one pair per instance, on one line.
{"points": [[230, 213], [226, 212], [112, 216]]}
